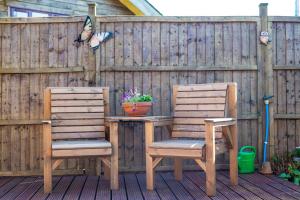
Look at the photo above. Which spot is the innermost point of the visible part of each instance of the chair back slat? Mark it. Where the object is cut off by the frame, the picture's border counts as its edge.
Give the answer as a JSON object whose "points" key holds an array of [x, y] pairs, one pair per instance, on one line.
{"points": [[194, 103], [78, 112]]}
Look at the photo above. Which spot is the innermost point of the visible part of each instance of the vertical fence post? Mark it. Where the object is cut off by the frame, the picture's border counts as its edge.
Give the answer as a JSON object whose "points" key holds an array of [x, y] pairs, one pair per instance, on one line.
{"points": [[91, 73], [266, 63], [92, 10]]}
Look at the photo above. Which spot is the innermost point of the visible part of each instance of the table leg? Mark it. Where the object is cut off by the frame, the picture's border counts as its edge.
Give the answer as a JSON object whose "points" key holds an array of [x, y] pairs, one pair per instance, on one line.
{"points": [[114, 164], [149, 137]]}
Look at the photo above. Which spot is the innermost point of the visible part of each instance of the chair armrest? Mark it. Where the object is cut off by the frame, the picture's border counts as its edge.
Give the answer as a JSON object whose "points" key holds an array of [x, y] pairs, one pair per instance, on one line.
{"points": [[220, 121], [47, 135]]}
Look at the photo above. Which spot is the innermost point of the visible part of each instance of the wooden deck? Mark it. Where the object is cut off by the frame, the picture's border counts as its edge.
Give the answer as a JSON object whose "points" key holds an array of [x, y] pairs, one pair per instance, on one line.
{"points": [[132, 186]]}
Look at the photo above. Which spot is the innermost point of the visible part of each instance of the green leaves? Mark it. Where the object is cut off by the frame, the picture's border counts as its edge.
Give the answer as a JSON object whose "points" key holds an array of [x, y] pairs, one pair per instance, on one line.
{"points": [[141, 98]]}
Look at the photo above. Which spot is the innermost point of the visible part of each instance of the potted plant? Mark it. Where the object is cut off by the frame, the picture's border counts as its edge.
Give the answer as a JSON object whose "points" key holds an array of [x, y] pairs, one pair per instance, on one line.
{"points": [[135, 104]]}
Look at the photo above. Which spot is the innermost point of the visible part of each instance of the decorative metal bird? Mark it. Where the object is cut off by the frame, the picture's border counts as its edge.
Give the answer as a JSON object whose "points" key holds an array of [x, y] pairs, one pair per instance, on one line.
{"points": [[264, 38]]}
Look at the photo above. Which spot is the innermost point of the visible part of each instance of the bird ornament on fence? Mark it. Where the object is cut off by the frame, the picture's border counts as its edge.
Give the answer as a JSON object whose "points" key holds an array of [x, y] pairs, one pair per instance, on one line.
{"points": [[264, 38], [94, 39]]}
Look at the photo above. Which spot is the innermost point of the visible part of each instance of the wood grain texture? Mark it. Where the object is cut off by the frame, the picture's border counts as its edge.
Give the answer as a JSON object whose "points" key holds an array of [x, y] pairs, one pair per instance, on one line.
{"points": [[151, 54]]}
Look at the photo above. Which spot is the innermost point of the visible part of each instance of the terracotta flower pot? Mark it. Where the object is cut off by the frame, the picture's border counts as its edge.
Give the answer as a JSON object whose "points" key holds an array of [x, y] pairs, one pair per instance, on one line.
{"points": [[138, 109]]}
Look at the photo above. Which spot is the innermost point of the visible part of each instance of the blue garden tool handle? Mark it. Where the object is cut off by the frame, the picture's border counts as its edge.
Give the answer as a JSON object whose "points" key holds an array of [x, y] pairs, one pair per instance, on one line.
{"points": [[248, 147], [266, 100]]}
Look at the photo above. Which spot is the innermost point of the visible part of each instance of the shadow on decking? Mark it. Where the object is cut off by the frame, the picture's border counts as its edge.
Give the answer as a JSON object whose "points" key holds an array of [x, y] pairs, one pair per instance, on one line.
{"points": [[132, 186]]}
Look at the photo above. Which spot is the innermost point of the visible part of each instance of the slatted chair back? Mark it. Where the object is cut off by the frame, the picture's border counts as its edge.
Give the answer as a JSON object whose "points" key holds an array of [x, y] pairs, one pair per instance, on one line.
{"points": [[193, 103], [77, 112]]}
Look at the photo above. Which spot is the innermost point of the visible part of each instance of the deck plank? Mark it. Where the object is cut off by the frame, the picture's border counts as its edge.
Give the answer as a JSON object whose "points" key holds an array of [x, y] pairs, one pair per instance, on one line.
{"points": [[227, 192], [265, 187], [133, 186], [238, 189], [285, 182], [148, 195], [254, 189], [31, 190], [89, 189], [103, 189], [200, 182], [13, 193], [4, 180], [177, 189], [162, 188], [278, 185], [75, 188], [121, 193], [194, 190], [40, 195], [59, 191], [11, 184]]}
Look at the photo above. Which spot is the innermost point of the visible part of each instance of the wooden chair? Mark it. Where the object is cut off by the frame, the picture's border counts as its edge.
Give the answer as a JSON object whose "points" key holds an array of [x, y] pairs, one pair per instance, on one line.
{"points": [[203, 125], [74, 126]]}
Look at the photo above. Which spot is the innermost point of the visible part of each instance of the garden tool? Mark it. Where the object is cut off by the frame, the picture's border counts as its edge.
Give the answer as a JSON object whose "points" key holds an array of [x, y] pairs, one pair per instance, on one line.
{"points": [[266, 166]]}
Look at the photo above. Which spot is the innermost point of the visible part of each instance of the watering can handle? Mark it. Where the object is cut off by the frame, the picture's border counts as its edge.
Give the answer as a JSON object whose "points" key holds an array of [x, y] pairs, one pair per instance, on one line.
{"points": [[248, 147]]}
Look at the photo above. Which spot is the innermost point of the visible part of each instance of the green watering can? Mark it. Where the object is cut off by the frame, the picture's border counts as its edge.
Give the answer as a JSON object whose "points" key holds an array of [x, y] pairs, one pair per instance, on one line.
{"points": [[246, 159]]}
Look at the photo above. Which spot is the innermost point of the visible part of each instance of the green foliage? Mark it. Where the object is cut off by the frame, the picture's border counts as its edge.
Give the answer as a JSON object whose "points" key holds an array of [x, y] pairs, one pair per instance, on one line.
{"points": [[134, 96], [286, 166], [141, 98]]}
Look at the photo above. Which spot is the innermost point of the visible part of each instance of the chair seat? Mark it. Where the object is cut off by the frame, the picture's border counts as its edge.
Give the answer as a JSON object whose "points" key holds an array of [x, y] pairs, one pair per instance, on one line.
{"points": [[81, 144], [178, 144]]}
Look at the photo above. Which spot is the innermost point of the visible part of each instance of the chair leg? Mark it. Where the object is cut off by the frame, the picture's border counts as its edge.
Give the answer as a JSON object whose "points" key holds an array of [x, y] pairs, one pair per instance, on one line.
{"points": [[178, 168], [47, 174], [106, 171], [233, 169], [98, 166], [114, 174], [149, 172], [210, 160]]}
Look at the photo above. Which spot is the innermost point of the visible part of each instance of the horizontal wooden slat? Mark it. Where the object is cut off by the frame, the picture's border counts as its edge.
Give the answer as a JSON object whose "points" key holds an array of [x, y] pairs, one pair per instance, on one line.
{"points": [[286, 67], [283, 19], [189, 120], [197, 107], [200, 100], [76, 96], [12, 122], [287, 116], [76, 90], [176, 19], [77, 103], [42, 70], [77, 109], [218, 93], [43, 20], [202, 87], [77, 116], [178, 68], [177, 127], [187, 153], [81, 135], [62, 129], [198, 134], [77, 122], [81, 152], [199, 114]]}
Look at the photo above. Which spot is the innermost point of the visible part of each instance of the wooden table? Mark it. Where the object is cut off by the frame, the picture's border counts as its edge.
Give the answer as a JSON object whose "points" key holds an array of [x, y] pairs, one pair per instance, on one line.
{"points": [[149, 121]]}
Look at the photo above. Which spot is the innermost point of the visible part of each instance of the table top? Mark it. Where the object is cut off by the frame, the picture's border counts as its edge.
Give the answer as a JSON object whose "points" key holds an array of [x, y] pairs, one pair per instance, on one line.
{"points": [[146, 118]]}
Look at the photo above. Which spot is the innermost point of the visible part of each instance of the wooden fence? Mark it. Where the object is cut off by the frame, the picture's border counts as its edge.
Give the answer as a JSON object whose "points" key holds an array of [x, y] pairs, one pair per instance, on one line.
{"points": [[151, 54]]}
